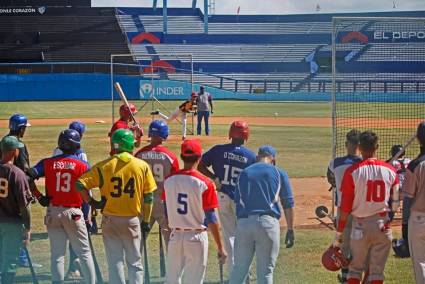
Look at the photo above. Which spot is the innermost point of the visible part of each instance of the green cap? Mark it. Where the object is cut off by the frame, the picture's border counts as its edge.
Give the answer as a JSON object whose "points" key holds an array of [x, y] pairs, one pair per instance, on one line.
{"points": [[10, 143], [123, 140]]}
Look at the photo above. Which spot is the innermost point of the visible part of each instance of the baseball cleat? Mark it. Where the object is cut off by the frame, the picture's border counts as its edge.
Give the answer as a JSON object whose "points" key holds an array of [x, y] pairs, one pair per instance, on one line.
{"points": [[155, 112]]}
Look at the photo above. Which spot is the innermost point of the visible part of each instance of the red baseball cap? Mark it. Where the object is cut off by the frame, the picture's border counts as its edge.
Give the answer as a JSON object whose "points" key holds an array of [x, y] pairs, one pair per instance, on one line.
{"points": [[191, 147]]}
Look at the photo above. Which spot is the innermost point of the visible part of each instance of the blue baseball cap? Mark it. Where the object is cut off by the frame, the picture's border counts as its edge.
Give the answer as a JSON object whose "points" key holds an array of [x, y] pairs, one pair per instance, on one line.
{"points": [[267, 150]]}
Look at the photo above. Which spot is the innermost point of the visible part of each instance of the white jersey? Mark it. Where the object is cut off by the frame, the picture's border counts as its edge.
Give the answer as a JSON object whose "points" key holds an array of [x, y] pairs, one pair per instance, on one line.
{"points": [[337, 167], [366, 188], [188, 194]]}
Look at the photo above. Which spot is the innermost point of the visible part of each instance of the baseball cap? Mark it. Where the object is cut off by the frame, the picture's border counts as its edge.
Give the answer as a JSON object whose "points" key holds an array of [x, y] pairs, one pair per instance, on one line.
{"points": [[191, 147], [267, 150], [10, 143]]}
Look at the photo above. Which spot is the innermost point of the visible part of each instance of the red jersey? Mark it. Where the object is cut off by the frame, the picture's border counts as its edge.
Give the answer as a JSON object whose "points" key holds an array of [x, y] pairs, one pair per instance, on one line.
{"points": [[366, 188], [61, 173], [119, 124], [162, 162], [188, 194]]}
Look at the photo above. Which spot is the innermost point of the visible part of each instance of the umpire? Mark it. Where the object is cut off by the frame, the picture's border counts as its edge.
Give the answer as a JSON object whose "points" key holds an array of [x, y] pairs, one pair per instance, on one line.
{"points": [[260, 188]]}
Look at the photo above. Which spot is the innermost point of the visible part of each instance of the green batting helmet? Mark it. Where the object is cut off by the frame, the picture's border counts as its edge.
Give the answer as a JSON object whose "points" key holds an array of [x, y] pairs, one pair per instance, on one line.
{"points": [[123, 140]]}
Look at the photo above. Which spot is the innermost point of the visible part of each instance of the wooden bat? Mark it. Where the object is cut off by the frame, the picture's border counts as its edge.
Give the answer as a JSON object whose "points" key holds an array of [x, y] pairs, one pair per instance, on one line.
{"points": [[33, 275], [161, 255], [221, 273], [396, 156], [99, 278], [124, 100], [145, 255]]}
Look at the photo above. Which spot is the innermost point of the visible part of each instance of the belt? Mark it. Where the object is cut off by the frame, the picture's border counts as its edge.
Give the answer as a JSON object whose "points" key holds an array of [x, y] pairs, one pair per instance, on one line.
{"points": [[190, 230], [258, 215], [66, 206]]}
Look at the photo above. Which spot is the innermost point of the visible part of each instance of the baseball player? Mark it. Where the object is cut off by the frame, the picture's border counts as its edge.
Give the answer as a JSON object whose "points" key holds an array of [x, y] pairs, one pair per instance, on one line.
{"points": [[64, 218], [205, 108], [334, 175], [414, 188], [126, 184], [191, 201], [74, 262], [227, 162], [18, 124], [15, 217], [259, 189], [162, 163], [367, 187], [123, 123], [181, 112]]}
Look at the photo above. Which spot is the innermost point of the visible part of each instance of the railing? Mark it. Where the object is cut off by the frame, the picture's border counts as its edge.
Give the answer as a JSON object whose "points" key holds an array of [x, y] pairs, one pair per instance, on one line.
{"points": [[222, 82]]}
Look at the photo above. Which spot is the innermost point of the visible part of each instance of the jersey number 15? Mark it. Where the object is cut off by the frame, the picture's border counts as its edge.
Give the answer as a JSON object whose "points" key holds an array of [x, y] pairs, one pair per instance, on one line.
{"points": [[231, 175]]}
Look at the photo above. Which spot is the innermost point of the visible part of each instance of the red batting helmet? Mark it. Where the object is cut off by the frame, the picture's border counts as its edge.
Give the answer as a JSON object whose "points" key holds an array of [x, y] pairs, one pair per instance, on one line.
{"points": [[239, 129], [333, 259], [125, 110], [194, 95]]}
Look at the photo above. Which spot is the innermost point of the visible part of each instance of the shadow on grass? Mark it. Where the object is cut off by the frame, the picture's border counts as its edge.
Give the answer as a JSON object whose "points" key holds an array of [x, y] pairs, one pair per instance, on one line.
{"points": [[28, 278]]}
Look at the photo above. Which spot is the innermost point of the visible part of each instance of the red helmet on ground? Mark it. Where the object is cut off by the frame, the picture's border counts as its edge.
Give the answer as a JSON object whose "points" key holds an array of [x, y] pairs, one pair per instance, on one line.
{"points": [[333, 259], [239, 129], [193, 95], [125, 110]]}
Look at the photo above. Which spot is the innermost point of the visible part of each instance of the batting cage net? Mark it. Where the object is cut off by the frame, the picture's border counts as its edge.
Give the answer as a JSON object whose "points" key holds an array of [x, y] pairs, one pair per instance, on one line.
{"points": [[378, 82]]}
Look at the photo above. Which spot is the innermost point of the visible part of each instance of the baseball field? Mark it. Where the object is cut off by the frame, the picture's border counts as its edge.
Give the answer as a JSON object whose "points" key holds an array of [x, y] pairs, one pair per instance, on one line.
{"points": [[301, 132]]}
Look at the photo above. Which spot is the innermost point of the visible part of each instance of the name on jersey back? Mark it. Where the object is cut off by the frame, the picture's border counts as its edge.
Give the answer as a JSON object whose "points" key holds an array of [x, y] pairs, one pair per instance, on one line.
{"points": [[234, 157], [60, 165], [152, 156]]}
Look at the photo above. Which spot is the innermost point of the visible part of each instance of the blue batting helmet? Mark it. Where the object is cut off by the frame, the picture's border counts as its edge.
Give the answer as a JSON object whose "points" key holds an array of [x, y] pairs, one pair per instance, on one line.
{"points": [[69, 140], [78, 126], [17, 121], [158, 128]]}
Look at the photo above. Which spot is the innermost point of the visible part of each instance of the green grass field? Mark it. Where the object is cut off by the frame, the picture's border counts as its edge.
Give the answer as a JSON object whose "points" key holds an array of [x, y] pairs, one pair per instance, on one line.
{"points": [[303, 152]]}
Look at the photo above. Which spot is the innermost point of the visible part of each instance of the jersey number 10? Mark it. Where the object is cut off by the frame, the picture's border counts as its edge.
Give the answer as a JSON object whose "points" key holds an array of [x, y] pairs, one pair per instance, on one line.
{"points": [[375, 191]]}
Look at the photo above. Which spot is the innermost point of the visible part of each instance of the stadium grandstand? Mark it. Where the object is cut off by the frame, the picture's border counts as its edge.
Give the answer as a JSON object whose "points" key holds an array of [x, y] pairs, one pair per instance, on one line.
{"points": [[238, 53]]}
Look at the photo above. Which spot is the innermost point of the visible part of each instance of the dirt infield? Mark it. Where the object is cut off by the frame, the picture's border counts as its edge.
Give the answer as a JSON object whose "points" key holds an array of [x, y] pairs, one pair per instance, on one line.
{"points": [[275, 121], [258, 120]]}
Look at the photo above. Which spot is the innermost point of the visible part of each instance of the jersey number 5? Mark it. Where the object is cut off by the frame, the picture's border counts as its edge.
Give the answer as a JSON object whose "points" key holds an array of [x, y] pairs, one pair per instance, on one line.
{"points": [[375, 191], [182, 201], [4, 188], [118, 189]]}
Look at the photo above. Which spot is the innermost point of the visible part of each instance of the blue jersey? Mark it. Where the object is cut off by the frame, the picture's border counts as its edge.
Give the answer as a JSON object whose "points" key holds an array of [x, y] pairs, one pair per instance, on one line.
{"points": [[227, 163], [260, 188]]}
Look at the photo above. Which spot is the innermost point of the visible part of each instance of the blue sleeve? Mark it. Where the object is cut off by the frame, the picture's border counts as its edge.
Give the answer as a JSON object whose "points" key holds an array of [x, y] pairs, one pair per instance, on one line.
{"points": [[38, 169], [208, 157], [285, 194], [210, 216]]}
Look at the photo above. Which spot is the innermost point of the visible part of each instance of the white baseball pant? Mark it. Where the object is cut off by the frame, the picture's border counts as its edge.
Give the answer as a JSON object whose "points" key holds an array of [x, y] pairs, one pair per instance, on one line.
{"points": [[188, 252], [122, 235], [227, 215], [63, 224], [177, 113], [417, 244]]}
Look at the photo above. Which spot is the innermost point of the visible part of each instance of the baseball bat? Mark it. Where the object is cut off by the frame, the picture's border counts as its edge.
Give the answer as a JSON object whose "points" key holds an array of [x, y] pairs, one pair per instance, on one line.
{"points": [[145, 255], [99, 278], [124, 99], [33, 275], [398, 154], [161, 255], [221, 273]]}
